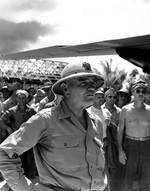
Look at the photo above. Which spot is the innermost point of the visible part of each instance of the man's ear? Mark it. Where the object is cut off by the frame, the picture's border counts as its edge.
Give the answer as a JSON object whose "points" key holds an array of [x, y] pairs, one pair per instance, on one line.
{"points": [[64, 88]]}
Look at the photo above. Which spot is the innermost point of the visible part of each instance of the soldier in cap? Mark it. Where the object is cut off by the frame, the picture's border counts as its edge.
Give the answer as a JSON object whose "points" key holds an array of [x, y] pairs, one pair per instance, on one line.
{"points": [[12, 101], [66, 141], [134, 139], [6, 92]]}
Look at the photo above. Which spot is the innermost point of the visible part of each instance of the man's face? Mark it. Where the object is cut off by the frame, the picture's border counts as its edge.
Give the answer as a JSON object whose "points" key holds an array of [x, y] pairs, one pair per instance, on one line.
{"points": [[111, 98], [139, 94], [31, 91], [6, 93], [40, 97], [99, 99], [21, 99], [82, 90], [122, 98]]}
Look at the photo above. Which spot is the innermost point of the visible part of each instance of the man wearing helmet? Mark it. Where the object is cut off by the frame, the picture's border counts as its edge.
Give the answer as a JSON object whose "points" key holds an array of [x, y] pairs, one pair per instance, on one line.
{"points": [[66, 141]]}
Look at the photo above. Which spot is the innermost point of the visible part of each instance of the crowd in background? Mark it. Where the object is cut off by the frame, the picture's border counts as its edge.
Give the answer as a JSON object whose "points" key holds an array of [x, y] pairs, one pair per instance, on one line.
{"points": [[18, 105], [110, 106]]}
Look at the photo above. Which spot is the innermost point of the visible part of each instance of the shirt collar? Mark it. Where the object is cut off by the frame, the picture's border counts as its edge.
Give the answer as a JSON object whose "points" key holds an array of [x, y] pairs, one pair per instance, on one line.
{"points": [[103, 106]]}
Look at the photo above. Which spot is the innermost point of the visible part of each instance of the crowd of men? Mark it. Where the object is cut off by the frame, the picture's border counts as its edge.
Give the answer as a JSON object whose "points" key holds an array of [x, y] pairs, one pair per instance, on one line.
{"points": [[74, 136], [17, 106]]}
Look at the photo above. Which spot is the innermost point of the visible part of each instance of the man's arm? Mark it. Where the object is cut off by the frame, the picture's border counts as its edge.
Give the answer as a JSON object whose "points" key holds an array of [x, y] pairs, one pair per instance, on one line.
{"points": [[18, 142], [5, 120], [5, 127], [120, 133]]}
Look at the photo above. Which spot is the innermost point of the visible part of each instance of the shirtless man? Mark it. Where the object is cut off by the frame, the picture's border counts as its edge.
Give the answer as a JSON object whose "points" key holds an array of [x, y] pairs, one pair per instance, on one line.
{"points": [[134, 140]]}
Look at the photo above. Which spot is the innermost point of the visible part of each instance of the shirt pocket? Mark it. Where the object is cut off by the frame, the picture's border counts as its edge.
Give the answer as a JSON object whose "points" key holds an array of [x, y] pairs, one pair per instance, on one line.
{"points": [[67, 141]]}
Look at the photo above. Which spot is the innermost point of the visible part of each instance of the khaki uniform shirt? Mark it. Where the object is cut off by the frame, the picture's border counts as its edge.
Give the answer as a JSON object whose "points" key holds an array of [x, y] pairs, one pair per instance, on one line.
{"points": [[66, 154], [113, 117], [99, 113]]}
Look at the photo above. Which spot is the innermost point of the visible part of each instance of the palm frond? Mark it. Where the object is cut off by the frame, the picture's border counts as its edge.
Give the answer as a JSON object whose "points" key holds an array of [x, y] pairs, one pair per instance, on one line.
{"points": [[113, 78]]}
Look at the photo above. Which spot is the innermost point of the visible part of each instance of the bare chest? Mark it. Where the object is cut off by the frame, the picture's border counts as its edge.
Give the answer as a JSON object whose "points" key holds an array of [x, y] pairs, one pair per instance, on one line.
{"points": [[138, 117], [138, 123]]}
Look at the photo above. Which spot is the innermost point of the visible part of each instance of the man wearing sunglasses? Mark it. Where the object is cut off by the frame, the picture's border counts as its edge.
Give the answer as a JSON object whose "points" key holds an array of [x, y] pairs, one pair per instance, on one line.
{"points": [[134, 140], [66, 141]]}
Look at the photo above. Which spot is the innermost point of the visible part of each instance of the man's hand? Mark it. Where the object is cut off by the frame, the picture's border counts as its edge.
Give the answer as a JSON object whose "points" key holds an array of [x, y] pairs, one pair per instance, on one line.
{"points": [[4, 133], [122, 156]]}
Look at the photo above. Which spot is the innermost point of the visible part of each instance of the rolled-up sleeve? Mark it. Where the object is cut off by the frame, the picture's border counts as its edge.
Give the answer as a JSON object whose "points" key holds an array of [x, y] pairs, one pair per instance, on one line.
{"points": [[26, 137]]}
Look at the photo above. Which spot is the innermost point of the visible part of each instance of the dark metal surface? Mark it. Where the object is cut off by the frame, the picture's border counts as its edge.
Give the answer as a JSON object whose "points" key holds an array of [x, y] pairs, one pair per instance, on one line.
{"points": [[134, 49]]}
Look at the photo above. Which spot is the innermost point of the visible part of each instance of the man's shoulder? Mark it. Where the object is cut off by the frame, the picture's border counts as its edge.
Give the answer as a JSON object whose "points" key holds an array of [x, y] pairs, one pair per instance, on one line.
{"points": [[47, 112], [147, 107], [31, 109], [128, 106], [91, 109], [13, 109], [7, 101], [103, 106], [117, 108], [127, 109]]}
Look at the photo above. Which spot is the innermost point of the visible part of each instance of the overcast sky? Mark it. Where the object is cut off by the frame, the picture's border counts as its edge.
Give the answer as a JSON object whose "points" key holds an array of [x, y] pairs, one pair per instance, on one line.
{"points": [[30, 24]]}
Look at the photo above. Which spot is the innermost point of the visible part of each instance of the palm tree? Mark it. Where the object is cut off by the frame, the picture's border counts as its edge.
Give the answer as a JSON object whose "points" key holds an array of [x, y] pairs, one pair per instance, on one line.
{"points": [[112, 77]]}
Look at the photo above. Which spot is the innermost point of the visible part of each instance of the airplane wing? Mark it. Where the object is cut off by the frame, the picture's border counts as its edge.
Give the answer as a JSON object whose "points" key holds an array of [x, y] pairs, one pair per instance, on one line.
{"points": [[134, 49]]}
